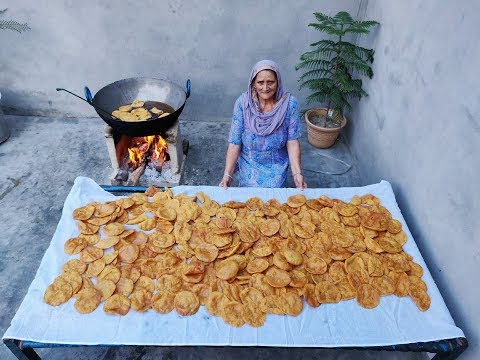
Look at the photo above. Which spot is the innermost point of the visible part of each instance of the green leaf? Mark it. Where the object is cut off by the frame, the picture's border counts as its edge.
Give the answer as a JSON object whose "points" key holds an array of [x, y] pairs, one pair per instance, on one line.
{"points": [[313, 63], [358, 67], [319, 84], [13, 25], [343, 18], [362, 53], [361, 27], [317, 54], [315, 74], [317, 97], [369, 23], [339, 102], [331, 30], [324, 44], [356, 30], [323, 18]]}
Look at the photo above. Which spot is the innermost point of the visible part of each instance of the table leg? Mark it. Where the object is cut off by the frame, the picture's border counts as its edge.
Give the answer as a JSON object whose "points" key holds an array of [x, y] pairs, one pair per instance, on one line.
{"points": [[21, 353]]}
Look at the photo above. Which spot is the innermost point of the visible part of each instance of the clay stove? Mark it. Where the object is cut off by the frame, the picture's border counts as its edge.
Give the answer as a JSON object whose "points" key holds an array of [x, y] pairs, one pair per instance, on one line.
{"points": [[156, 160]]}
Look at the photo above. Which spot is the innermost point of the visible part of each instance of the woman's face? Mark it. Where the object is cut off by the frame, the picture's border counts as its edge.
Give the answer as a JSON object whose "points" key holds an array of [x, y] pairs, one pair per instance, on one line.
{"points": [[266, 84]]}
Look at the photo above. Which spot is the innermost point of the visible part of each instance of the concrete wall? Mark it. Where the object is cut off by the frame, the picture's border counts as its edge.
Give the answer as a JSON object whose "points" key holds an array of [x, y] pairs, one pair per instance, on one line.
{"points": [[213, 42], [420, 130]]}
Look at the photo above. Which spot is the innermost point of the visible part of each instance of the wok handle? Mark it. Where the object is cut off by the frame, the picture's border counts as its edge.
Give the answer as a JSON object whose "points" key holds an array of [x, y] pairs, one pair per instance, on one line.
{"points": [[187, 88], [88, 100], [88, 95]]}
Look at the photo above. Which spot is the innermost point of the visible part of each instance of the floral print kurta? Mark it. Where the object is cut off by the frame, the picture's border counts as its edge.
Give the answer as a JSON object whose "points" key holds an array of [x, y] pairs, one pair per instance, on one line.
{"points": [[263, 160]]}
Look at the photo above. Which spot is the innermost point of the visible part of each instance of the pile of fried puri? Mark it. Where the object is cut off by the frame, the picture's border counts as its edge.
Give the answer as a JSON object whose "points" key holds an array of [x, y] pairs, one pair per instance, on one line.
{"points": [[241, 260], [136, 112]]}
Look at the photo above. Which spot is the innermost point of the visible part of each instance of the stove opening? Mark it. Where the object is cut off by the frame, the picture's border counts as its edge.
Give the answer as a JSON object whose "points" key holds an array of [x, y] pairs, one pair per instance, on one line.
{"points": [[151, 150], [147, 160]]}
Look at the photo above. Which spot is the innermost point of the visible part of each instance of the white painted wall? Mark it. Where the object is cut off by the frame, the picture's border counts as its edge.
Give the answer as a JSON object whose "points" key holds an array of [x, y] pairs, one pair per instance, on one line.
{"points": [[213, 42], [420, 130]]}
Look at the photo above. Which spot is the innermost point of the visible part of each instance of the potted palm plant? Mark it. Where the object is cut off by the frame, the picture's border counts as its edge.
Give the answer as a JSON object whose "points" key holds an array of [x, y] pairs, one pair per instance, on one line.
{"points": [[328, 73], [15, 26]]}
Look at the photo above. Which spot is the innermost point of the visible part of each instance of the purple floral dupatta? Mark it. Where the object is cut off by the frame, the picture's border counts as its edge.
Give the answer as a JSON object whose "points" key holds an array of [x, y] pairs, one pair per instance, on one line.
{"points": [[264, 123]]}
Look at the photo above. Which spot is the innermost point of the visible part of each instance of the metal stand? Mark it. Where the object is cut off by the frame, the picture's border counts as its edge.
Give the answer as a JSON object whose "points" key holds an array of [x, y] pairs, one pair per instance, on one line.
{"points": [[19, 351], [448, 349]]}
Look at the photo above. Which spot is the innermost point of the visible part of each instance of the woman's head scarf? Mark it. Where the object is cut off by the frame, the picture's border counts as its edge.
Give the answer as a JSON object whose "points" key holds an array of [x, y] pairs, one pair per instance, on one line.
{"points": [[264, 123]]}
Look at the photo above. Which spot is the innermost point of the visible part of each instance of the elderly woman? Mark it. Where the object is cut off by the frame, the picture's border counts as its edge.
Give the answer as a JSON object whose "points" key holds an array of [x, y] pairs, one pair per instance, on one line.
{"points": [[264, 133]]}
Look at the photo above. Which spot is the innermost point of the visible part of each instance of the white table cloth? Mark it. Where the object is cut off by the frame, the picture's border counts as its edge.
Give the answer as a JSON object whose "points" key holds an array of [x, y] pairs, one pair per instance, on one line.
{"points": [[346, 324]]}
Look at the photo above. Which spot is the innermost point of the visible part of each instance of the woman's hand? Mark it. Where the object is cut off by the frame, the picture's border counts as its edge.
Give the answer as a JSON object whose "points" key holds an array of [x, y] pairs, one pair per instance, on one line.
{"points": [[226, 181], [293, 148], [299, 181], [233, 151]]}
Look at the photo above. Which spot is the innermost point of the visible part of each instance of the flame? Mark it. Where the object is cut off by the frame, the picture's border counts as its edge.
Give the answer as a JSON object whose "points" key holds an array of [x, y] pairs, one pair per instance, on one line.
{"points": [[141, 147], [135, 157], [159, 148]]}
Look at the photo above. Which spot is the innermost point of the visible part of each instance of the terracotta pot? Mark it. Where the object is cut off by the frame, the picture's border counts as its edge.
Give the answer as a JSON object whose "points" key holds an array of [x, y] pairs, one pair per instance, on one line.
{"points": [[318, 136]]}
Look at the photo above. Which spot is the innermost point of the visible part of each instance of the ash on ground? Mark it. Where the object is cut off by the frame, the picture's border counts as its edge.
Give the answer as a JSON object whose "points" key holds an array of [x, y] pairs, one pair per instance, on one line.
{"points": [[153, 177]]}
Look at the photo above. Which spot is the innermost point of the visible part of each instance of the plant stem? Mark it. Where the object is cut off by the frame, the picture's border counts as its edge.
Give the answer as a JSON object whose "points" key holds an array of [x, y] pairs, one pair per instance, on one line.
{"points": [[338, 51]]}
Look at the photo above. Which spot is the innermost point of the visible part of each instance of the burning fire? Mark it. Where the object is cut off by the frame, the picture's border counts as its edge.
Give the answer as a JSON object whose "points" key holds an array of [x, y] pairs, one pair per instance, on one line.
{"points": [[142, 147]]}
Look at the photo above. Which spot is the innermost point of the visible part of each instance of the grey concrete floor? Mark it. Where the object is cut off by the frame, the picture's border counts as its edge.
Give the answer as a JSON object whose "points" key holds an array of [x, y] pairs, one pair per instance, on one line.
{"points": [[38, 165]]}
